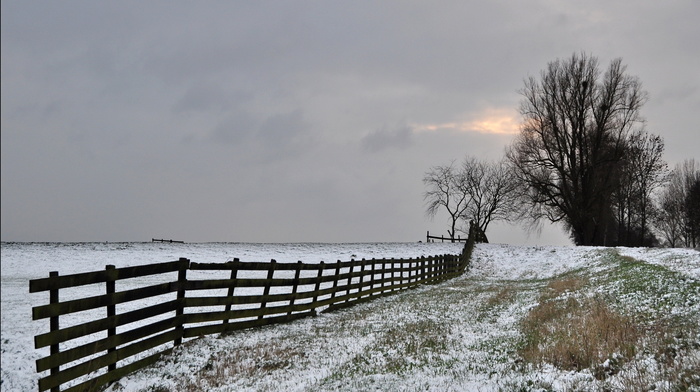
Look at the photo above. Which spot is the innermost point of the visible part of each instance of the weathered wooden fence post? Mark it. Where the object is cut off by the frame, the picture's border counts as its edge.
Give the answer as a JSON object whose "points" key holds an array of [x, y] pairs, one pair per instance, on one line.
{"points": [[371, 276], [183, 266], [54, 326], [319, 277], [335, 278], [408, 272], [295, 285], [362, 277], [352, 268], [416, 272], [383, 274], [266, 290], [232, 288], [111, 309]]}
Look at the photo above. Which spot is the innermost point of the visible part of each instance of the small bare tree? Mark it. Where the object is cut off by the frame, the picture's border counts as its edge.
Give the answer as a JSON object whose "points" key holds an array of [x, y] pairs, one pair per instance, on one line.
{"points": [[492, 189], [445, 191]]}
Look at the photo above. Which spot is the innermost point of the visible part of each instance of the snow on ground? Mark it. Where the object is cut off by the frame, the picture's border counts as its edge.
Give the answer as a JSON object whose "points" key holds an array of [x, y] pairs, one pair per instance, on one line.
{"points": [[339, 350], [685, 261], [508, 262]]}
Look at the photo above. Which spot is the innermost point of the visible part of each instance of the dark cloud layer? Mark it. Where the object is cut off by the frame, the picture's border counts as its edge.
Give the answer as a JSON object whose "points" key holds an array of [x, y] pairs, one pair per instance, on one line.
{"points": [[291, 121]]}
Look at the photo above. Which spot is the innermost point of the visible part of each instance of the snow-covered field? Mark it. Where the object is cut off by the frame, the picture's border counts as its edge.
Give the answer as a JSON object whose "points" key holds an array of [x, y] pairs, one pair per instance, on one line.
{"points": [[450, 336]]}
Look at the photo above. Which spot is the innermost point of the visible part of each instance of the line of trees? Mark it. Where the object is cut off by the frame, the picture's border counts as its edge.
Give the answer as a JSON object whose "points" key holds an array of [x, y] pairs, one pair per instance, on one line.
{"points": [[582, 159]]}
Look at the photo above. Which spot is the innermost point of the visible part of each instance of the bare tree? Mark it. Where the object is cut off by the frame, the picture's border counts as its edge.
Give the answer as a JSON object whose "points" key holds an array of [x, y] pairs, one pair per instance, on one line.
{"points": [[669, 220], [445, 191], [692, 205], [568, 153], [642, 172], [678, 220], [491, 187]]}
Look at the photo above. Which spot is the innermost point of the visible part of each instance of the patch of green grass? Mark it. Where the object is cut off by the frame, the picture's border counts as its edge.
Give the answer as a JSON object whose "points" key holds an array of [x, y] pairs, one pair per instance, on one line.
{"points": [[404, 347], [651, 292]]}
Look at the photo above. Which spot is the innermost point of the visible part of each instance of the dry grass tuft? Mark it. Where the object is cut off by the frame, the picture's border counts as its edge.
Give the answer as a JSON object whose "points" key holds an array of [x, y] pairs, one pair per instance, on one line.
{"points": [[575, 334], [558, 287], [505, 294]]}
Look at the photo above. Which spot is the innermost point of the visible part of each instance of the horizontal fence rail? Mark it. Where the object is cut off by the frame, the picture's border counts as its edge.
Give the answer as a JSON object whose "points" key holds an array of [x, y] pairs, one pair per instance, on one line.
{"points": [[442, 238], [131, 328]]}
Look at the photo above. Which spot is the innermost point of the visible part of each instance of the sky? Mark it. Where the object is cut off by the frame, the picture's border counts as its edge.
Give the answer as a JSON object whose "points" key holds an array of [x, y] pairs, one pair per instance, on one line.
{"points": [[295, 121]]}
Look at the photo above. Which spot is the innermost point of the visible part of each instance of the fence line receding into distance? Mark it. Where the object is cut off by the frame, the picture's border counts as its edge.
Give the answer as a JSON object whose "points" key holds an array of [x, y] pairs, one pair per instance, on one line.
{"points": [[181, 299]]}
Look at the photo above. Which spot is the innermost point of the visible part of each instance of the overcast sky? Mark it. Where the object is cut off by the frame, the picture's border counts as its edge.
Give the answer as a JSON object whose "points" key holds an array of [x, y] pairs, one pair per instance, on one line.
{"points": [[288, 121]]}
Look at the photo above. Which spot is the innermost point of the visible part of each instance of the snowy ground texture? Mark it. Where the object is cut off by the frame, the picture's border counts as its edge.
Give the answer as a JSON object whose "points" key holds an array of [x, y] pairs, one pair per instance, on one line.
{"points": [[448, 337]]}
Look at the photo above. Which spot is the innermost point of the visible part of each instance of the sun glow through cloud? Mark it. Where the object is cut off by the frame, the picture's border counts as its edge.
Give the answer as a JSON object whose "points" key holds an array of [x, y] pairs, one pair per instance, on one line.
{"points": [[493, 121]]}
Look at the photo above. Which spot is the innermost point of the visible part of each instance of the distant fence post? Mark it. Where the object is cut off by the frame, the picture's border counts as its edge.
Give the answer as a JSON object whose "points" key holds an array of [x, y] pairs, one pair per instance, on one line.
{"points": [[179, 312], [54, 326], [111, 309]]}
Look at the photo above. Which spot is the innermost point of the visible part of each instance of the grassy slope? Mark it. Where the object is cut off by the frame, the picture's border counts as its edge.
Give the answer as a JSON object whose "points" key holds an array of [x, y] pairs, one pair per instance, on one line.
{"points": [[466, 334]]}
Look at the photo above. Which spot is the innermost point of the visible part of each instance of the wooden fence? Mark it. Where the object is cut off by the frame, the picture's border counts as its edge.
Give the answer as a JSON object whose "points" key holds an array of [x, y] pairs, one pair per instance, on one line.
{"points": [[170, 241], [442, 238], [200, 299]]}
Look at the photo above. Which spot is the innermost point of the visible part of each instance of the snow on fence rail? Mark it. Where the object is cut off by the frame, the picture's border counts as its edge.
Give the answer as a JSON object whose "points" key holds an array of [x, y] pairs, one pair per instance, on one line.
{"points": [[154, 318]]}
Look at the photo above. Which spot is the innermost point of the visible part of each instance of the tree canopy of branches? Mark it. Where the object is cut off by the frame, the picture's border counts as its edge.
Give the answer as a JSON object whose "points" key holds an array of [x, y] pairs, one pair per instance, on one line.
{"points": [[480, 191], [445, 191], [492, 188], [679, 204], [642, 171], [576, 126]]}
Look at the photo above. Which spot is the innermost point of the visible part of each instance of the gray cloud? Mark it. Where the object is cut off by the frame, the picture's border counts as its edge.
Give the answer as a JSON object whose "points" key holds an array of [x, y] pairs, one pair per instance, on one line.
{"points": [[238, 120], [381, 139], [208, 98]]}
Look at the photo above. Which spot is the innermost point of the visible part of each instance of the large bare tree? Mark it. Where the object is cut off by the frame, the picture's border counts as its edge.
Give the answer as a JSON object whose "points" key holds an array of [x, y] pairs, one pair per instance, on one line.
{"points": [[576, 121]]}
